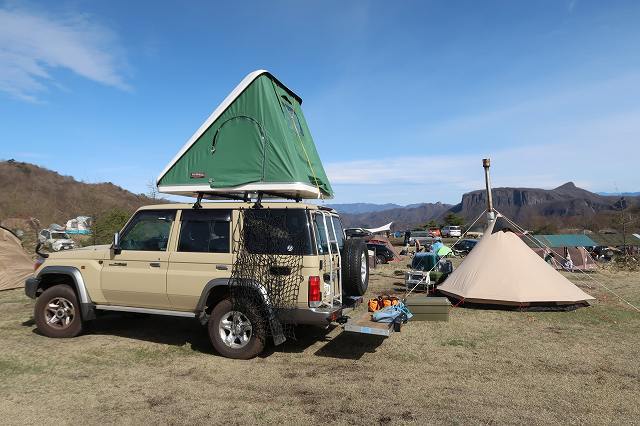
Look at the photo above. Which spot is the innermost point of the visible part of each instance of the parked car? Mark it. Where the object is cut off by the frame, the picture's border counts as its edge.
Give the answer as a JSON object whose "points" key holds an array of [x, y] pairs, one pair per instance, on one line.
{"points": [[463, 247], [383, 253], [451, 231], [55, 240], [423, 238], [175, 260], [357, 233], [434, 232]]}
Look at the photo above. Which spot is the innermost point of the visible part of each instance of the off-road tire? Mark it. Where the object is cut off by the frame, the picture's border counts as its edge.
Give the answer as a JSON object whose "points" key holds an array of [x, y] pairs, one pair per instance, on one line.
{"points": [[258, 335], [42, 309], [354, 253]]}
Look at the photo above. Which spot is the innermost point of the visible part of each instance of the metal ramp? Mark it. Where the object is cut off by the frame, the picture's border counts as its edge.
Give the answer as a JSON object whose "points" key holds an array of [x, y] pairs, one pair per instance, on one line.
{"points": [[365, 325]]}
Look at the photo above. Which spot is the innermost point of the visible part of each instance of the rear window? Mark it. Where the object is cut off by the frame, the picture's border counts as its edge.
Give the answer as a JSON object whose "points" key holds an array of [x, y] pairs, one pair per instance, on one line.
{"points": [[339, 231], [277, 231], [321, 235]]}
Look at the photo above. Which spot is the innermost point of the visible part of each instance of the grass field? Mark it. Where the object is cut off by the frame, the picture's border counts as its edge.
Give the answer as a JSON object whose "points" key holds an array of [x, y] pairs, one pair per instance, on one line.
{"points": [[482, 366]]}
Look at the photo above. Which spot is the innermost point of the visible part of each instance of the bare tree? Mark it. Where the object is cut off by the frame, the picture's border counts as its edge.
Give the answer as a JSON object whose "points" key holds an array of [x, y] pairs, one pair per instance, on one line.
{"points": [[152, 189]]}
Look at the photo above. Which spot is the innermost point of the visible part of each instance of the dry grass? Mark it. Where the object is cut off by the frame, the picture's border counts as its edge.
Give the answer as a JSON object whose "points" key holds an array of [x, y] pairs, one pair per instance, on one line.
{"points": [[482, 366]]}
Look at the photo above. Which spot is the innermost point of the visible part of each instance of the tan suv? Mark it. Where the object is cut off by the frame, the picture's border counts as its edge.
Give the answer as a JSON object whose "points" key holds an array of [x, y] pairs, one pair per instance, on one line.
{"points": [[178, 260]]}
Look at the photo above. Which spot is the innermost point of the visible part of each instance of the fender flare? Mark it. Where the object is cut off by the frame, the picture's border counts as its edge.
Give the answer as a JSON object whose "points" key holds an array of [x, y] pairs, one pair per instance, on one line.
{"points": [[86, 305], [218, 282]]}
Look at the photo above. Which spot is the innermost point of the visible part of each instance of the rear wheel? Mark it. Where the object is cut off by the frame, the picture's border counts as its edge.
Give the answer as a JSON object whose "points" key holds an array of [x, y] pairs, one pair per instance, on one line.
{"points": [[57, 312], [237, 332], [355, 267]]}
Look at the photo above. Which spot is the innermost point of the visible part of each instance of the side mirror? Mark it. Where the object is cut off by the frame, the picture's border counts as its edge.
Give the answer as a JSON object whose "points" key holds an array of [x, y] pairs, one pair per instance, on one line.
{"points": [[116, 243]]}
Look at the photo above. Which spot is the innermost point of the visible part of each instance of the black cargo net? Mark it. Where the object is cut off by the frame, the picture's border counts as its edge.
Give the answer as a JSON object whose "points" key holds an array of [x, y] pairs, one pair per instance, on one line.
{"points": [[269, 245]]}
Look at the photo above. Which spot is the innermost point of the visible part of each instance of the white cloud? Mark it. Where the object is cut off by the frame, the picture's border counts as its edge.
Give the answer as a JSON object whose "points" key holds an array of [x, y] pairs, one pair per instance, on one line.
{"points": [[598, 155], [32, 46]]}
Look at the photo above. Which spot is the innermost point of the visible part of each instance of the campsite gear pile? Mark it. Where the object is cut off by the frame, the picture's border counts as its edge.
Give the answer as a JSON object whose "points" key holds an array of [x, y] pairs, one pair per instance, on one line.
{"points": [[427, 270], [397, 313], [426, 308]]}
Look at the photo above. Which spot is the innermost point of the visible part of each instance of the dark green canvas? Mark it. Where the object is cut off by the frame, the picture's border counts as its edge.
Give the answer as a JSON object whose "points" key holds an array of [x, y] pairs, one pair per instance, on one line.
{"points": [[261, 137]]}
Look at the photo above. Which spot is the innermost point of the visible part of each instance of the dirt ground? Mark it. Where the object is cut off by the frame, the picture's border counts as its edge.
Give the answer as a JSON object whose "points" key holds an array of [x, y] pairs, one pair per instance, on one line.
{"points": [[482, 366]]}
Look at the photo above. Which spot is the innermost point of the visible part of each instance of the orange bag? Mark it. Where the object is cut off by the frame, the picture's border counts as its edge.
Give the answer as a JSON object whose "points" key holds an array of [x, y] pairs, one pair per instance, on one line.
{"points": [[386, 302], [373, 305]]}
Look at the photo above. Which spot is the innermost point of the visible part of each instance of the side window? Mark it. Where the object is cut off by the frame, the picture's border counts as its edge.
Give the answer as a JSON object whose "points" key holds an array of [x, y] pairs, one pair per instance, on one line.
{"points": [[321, 236], [205, 231], [339, 231], [148, 231]]}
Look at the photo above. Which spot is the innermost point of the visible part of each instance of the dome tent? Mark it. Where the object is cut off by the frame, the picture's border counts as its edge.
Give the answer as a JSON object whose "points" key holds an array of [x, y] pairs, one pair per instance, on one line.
{"points": [[503, 270], [257, 140], [15, 263]]}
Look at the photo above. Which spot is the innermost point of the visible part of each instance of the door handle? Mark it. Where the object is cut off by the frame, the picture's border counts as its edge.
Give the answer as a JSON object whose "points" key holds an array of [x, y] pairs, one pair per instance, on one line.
{"points": [[222, 267], [154, 264], [118, 264]]}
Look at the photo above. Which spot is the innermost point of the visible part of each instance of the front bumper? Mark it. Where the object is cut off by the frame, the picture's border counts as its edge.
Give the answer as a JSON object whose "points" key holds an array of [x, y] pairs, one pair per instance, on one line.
{"points": [[31, 287]]}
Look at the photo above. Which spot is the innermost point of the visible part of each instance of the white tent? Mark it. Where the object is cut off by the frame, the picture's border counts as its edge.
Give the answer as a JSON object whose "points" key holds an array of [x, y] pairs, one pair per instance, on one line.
{"points": [[503, 270], [384, 228]]}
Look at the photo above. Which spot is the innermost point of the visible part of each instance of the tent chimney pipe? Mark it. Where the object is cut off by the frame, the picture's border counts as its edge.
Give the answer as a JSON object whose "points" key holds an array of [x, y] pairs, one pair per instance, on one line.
{"points": [[486, 163]]}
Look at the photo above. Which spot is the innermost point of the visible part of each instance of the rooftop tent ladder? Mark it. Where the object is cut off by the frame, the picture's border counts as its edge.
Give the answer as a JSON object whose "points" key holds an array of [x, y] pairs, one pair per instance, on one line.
{"points": [[257, 141]]}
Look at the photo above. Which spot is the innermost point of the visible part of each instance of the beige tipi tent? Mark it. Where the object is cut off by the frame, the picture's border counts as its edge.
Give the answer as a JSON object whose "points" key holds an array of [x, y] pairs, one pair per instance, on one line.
{"points": [[15, 263], [503, 270]]}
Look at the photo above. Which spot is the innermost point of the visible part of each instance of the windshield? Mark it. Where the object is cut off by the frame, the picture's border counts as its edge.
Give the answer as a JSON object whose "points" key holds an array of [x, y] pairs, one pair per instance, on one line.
{"points": [[59, 236]]}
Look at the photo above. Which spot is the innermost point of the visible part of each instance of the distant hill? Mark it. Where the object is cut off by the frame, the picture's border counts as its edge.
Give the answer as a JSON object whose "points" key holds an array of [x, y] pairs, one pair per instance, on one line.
{"points": [[32, 191], [402, 217], [525, 204], [564, 205], [620, 194], [358, 208]]}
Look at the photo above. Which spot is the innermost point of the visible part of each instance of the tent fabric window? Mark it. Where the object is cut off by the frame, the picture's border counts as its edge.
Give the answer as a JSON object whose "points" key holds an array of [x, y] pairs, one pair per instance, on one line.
{"points": [[292, 119]]}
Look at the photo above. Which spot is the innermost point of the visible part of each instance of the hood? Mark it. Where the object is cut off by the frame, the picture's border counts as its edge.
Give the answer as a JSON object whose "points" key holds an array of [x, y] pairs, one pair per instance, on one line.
{"points": [[89, 252], [63, 241]]}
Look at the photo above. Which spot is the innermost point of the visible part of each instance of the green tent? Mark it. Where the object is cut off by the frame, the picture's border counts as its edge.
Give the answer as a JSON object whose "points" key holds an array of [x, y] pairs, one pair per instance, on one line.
{"points": [[257, 140]]}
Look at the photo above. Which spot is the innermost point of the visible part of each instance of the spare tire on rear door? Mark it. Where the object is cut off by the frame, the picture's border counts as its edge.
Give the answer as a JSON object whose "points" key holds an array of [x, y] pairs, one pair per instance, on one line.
{"points": [[355, 267]]}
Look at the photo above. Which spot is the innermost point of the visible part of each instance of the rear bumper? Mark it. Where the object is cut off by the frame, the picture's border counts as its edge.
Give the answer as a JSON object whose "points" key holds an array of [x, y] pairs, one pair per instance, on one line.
{"points": [[312, 316], [31, 286]]}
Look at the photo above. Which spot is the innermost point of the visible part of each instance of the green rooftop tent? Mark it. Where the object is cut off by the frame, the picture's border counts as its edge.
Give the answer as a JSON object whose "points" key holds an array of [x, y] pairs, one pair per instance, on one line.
{"points": [[256, 141]]}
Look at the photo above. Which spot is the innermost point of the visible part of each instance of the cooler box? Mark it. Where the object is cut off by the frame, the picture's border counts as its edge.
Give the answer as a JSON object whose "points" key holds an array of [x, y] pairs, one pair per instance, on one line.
{"points": [[426, 308]]}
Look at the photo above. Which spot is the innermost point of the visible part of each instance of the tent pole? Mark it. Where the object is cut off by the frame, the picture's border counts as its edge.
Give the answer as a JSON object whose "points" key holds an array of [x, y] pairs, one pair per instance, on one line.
{"points": [[486, 163]]}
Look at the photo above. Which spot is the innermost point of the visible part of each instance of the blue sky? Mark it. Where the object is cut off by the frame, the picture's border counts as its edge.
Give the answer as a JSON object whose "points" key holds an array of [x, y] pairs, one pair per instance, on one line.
{"points": [[403, 99]]}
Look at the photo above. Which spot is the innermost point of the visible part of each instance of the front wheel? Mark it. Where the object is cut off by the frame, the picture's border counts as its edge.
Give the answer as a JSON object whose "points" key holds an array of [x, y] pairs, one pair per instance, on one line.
{"points": [[57, 312], [237, 331]]}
